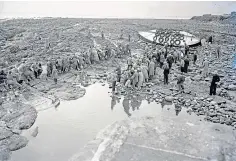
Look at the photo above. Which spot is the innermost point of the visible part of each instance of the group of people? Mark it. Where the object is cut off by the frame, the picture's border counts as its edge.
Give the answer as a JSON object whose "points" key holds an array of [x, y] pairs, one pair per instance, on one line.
{"points": [[27, 72], [155, 60], [145, 68]]}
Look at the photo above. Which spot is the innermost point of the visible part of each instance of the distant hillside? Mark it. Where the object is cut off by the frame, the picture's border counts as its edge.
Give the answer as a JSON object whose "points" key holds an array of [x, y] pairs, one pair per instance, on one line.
{"points": [[226, 18]]}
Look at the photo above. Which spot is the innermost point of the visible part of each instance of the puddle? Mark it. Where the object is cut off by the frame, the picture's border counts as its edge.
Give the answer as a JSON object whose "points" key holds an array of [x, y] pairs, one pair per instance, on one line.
{"points": [[62, 131]]}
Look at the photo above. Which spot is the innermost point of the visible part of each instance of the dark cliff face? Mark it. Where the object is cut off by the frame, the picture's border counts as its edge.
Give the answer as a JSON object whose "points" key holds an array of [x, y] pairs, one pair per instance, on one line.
{"points": [[226, 18]]}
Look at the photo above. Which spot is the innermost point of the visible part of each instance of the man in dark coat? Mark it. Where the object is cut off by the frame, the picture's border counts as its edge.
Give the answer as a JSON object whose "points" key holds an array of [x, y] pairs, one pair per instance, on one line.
{"points": [[214, 81], [186, 64]]}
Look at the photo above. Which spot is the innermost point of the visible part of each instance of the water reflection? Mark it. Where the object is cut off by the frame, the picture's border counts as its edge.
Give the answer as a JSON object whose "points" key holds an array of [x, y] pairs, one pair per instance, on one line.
{"points": [[114, 100], [126, 105], [77, 122], [178, 109]]}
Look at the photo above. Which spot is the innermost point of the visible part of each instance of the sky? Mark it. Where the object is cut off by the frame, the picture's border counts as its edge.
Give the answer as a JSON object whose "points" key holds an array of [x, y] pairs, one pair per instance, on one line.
{"points": [[114, 9]]}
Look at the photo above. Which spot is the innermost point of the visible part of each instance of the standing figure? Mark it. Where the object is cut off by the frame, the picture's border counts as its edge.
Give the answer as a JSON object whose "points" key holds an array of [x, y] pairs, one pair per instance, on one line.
{"points": [[118, 72], [134, 79], [54, 74], [140, 79], [151, 70], [129, 38], [194, 58], [180, 83], [186, 49], [144, 70], [166, 72], [218, 51], [130, 63], [170, 60], [214, 82], [205, 68], [186, 64], [102, 34], [162, 59]]}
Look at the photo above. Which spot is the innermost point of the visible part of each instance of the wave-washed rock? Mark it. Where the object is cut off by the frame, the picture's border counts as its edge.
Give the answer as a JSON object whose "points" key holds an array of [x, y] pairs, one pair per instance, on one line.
{"points": [[68, 92]]}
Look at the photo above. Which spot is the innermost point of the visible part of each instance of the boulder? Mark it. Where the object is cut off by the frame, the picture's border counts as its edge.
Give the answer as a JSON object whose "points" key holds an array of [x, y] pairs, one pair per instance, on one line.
{"points": [[197, 78], [5, 153], [169, 98], [5, 133], [232, 87], [17, 142]]}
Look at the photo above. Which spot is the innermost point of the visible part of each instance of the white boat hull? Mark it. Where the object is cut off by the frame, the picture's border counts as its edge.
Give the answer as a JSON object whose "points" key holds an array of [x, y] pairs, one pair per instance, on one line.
{"points": [[172, 38]]}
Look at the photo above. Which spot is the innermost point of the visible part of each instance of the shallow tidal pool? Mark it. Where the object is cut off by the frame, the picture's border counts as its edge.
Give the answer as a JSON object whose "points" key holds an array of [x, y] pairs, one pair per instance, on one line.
{"points": [[64, 130]]}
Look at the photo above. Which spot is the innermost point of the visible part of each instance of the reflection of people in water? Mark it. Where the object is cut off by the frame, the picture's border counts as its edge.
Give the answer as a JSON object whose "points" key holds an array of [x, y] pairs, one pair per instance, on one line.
{"points": [[162, 104], [126, 105], [136, 102], [113, 101], [177, 109]]}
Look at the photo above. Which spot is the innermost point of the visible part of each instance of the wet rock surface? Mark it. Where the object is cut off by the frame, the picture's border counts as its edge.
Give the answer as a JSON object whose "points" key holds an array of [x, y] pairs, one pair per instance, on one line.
{"points": [[133, 140], [22, 44]]}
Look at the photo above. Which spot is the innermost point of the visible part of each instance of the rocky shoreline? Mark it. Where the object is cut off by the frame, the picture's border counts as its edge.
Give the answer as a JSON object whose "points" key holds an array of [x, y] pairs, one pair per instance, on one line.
{"points": [[20, 113]]}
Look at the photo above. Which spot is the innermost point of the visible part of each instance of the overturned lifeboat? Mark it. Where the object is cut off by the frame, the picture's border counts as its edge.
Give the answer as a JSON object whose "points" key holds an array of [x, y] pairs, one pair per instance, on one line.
{"points": [[171, 37]]}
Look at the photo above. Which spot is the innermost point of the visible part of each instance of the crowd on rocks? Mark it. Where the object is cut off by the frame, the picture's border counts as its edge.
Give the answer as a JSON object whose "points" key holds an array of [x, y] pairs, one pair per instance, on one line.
{"points": [[156, 59], [28, 71]]}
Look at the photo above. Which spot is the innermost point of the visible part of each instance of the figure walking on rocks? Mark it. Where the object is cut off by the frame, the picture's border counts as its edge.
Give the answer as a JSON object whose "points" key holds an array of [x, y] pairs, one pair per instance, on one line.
{"points": [[194, 58], [214, 83], [166, 72], [180, 83], [54, 74], [151, 69], [186, 64]]}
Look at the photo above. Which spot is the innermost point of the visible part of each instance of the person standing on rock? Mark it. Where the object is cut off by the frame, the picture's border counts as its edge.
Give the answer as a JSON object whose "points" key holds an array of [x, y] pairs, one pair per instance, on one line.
{"points": [[102, 34], [214, 82], [218, 51], [130, 63], [125, 77], [195, 57], [186, 49], [170, 60], [134, 79], [175, 56], [186, 64], [118, 72], [95, 55], [129, 38], [166, 72], [140, 79], [144, 70], [49, 68], [205, 68], [54, 74], [128, 51], [162, 59], [182, 65], [151, 70], [180, 83]]}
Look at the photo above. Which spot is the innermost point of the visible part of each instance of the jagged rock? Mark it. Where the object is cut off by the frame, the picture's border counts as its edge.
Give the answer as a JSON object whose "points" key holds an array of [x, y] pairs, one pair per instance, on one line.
{"points": [[197, 78], [35, 132], [5, 133], [232, 87], [209, 99], [213, 103], [169, 98], [22, 117], [17, 142], [194, 102], [5, 153]]}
